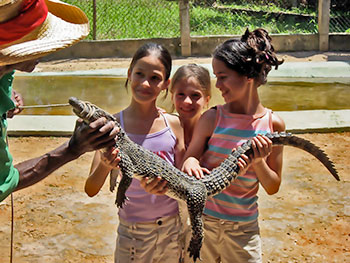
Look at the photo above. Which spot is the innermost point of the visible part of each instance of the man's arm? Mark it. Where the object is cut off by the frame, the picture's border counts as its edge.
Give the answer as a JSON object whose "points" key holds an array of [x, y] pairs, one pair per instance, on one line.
{"points": [[98, 134]]}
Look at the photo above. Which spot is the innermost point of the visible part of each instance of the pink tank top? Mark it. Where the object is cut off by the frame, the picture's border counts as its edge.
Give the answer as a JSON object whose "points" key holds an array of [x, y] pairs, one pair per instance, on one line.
{"points": [[142, 206], [238, 202]]}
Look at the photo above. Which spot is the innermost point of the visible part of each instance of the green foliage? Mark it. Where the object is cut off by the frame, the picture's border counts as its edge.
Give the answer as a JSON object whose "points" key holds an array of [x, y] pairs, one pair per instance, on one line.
{"points": [[122, 19], [271, 7], [206, 21]]}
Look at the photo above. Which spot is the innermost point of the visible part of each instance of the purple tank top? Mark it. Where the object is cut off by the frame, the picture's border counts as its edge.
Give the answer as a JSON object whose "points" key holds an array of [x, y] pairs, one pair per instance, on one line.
{"points": [[142, 206]]}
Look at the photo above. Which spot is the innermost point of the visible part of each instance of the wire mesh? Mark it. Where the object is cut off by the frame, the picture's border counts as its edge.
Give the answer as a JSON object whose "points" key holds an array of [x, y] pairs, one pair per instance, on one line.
{"points": [[125, 19], [339, 16], [232, 17]]}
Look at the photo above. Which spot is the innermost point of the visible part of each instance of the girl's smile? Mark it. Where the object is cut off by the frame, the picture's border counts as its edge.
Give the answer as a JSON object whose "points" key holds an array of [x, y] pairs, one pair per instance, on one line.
{"points": [[147, 78], [189, 99], [232, 85]]}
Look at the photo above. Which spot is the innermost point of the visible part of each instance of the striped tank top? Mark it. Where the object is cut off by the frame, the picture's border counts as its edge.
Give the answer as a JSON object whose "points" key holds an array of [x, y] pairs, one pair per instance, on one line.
{"points": [[238, 202]]}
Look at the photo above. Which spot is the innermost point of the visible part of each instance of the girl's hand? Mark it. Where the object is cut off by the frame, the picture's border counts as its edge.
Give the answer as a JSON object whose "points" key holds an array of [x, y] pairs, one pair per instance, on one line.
{"points": [[110, 157], [262, 148], [243, 162], [156, 186], [192, 168]]}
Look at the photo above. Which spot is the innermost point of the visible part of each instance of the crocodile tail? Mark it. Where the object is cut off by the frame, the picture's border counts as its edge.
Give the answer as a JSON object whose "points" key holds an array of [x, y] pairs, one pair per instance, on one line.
{"points": [[289, 139]]}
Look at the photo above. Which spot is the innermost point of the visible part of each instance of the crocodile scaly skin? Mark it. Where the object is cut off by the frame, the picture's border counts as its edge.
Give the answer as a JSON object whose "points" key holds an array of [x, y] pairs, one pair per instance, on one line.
{"points": [[139, 162]]}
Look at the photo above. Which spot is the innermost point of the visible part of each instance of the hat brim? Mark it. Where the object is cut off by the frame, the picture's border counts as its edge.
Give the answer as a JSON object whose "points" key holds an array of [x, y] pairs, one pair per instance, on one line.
{"points": [[64, 26]]}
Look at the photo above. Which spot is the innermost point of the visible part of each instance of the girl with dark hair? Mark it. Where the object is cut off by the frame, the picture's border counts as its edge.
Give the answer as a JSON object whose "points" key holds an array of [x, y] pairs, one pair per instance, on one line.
{"points": [[231, 231], [149, 225]]}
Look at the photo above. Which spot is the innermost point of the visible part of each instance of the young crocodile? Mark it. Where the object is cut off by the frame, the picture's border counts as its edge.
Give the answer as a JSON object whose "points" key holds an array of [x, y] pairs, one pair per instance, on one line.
{"points": [[139, 162]]}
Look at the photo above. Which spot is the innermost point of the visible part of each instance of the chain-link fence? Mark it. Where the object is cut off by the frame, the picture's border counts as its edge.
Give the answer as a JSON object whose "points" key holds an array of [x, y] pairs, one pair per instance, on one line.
{"points": [[232, 17], [125, 19], [339, 16]]}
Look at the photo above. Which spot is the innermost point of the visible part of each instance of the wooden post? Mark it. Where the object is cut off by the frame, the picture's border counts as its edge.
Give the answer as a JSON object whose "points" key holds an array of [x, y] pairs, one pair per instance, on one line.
{"points": [[185, 31], [294, 3], [323, 24]]}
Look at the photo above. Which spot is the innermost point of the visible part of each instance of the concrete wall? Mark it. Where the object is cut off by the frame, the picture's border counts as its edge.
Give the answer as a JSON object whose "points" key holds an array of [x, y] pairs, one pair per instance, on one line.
{"points": [[201, 46], [339, 42]]}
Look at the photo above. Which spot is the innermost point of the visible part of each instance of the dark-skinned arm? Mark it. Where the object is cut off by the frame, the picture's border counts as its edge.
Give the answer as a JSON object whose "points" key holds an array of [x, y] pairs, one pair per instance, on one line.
{"points": [[98, 134]]}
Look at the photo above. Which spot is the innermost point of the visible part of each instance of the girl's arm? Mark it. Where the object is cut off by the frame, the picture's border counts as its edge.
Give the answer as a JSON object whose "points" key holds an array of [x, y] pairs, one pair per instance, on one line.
{"points": [[101, 166], [269, 172], [202, 132], [175, 124]]}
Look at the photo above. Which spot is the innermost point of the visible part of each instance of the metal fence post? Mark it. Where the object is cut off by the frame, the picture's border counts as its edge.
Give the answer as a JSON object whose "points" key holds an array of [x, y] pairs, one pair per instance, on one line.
{"points": [[323, 24], [185, 31], [94, 10]]}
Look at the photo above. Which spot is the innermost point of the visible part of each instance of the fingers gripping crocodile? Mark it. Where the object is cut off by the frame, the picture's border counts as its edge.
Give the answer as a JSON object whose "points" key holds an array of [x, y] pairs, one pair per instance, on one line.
{"points": [[139, 162]]}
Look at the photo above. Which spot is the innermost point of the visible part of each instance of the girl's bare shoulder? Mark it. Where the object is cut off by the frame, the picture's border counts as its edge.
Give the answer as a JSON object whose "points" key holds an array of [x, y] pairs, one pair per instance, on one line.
{"points": [[175, 124], [172, 118], [209, 115], [278, 123], [206, 123]]}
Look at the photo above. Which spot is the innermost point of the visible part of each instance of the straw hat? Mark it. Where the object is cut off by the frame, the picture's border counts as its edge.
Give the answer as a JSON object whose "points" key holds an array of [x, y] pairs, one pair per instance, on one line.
{"points": [[63, 26]]}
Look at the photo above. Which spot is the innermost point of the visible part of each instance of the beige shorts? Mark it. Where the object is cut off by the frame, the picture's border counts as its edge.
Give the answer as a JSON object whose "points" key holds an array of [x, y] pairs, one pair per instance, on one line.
{"points": [[226, 241], [150, 242]]}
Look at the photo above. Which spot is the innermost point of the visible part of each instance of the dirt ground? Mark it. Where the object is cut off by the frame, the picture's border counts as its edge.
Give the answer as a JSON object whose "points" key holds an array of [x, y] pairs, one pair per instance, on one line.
{"points": [[308, 220], [91, 64]]}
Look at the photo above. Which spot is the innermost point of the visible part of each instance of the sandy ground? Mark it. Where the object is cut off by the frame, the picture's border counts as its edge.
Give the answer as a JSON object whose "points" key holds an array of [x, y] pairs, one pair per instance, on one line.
{"points": [[90, 64], [308, 220]]}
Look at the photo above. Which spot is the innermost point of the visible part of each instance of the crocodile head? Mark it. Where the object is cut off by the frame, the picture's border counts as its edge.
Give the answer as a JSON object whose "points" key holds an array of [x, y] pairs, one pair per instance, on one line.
{"points": [[87, 111], [90, 112]]}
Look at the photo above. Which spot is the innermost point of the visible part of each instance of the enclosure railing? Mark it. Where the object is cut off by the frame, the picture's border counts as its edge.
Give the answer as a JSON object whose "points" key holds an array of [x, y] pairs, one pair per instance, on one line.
{"points": [[140, 19]]}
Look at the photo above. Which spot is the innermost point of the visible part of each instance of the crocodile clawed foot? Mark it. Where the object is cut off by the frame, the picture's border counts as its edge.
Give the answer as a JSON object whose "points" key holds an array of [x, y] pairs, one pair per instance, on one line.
{"points": [[121, 201], [194, 250]]}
